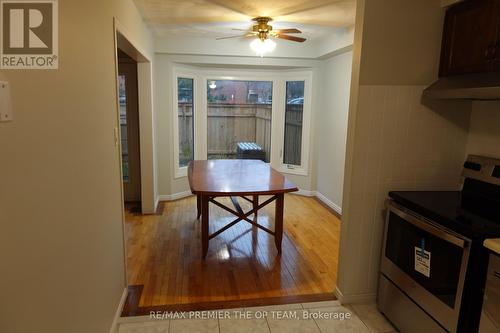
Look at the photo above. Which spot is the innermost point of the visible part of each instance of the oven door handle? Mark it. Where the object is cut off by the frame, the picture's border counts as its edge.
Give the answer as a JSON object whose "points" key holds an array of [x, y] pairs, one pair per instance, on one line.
{"points": [[427, 226]]}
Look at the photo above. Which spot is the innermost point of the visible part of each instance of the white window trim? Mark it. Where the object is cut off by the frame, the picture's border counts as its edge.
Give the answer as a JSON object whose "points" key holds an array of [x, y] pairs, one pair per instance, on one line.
{"points": [[303, 168], [179, 171], [278, 79]]}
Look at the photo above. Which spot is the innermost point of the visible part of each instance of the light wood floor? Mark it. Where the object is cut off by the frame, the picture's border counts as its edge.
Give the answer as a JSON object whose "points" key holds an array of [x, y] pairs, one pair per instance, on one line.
{"points": [[164, 254]]}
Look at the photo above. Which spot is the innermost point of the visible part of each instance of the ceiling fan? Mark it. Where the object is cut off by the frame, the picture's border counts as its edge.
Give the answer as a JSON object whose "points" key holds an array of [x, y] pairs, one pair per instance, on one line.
{"points": [[262, 30]]}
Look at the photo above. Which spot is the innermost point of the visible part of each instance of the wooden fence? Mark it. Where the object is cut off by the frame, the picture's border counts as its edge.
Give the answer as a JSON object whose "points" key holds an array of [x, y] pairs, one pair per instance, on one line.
{"points": [[229, 124], [293, 134]]}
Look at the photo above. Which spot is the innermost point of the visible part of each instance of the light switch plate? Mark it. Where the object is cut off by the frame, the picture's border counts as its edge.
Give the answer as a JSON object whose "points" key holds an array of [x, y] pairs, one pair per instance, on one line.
{"points": [[5, 102]]}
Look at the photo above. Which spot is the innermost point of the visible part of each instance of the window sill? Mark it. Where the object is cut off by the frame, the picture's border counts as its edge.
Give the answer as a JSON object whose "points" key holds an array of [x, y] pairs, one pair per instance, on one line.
{"points": [[180, 172], [293, 171]]}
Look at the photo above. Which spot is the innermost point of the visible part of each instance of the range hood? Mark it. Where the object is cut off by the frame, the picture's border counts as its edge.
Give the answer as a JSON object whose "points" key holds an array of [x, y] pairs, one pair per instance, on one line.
{"points": [[484, 86]]}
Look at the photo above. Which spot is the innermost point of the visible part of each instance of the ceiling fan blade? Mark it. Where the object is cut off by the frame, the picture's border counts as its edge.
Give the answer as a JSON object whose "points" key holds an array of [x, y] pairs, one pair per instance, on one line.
{"points": [[229, 37], [248, 32], [287, 31], [292, 38], [248, 35]]}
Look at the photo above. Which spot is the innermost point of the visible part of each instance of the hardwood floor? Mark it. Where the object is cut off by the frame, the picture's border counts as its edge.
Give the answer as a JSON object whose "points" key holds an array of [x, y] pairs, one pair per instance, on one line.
{"points": [[164, 254]]}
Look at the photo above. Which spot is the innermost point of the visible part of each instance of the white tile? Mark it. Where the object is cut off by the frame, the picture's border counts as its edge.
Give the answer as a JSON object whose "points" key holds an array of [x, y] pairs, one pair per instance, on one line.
{"points": [[243, 326], [144, 327], [194, 326], [135, 319], [280, 307], [234, 313], [370, 315], [295, 323], [363, 318], [338, 320]]}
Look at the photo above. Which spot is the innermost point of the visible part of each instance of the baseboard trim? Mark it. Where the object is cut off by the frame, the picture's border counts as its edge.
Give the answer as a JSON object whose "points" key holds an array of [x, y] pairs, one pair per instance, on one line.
{"points": [[333, 207], [356, 298], [175, 196], [305, 193], [157, 202], [116, 319], [329, 203]]}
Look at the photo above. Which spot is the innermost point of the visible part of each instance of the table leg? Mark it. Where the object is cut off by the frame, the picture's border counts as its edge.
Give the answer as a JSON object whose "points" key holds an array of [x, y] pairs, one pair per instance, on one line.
{"points": [[198, 205], [255, 205], [278, 221], [255, 236], [204, 224]]}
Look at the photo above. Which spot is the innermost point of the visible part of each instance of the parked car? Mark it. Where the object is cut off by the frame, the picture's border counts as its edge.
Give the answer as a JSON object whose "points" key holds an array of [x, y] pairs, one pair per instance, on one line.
{"points": [[299, 100]]}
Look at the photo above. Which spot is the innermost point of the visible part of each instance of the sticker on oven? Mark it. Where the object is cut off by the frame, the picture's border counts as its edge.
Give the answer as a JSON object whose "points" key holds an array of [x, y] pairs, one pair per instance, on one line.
{"points": [[423, 261]]}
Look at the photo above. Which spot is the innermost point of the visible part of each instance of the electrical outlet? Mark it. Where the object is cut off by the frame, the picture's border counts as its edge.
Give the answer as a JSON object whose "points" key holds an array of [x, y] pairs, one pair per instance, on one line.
{"points": [[5, 102]]}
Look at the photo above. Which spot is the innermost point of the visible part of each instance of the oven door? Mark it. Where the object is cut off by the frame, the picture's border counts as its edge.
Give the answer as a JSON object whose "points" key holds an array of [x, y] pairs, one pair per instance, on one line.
{"points": [[427, 262]]}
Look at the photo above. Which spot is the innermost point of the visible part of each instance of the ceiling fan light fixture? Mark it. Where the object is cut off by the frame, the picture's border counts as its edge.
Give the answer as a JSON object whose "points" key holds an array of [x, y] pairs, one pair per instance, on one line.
{"points": [[212, 85], [262, 46]]}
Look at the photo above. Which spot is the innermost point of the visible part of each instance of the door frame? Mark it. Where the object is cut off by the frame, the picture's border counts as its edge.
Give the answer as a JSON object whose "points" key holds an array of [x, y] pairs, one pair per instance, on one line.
{"points": [[122, 40], [147, 141]]}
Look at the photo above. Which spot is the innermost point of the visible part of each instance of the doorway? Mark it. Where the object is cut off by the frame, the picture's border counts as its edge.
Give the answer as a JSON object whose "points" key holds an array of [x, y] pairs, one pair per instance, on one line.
{"points": [[129, 128]]}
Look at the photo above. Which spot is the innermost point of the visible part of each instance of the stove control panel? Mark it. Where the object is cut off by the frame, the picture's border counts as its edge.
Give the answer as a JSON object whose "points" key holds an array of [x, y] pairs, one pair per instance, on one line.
{"points": [[486, 169], [496, 171]]}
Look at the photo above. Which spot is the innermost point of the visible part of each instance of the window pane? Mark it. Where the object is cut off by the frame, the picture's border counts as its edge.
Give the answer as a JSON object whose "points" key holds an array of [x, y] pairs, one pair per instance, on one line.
{"points": [[239, 119], [185, 120], [293, 122], [122, 97]]}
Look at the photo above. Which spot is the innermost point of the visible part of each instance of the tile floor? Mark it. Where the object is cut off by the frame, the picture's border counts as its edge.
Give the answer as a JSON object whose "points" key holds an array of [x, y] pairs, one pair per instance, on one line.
{"points": [[320, 317]]}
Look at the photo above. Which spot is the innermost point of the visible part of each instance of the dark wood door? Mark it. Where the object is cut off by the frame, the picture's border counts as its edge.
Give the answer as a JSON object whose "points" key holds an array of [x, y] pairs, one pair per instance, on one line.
{"points": [[129, 128], [469, 37]]}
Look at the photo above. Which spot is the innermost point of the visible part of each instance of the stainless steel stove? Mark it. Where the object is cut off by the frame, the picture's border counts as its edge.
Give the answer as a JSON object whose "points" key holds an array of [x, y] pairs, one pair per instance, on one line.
{"points": [[433, 265]]}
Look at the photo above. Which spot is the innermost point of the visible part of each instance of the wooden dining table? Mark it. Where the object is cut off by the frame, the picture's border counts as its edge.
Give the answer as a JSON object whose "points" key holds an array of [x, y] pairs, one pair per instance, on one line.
{"points": [[238, 179]]}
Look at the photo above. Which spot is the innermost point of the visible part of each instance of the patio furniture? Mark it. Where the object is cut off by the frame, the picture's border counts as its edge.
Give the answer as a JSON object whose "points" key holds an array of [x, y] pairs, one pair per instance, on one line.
{"points": [[250, 151]]}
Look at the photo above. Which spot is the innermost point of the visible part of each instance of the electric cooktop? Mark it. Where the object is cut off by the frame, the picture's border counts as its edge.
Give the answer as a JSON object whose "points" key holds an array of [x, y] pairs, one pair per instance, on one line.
{"points": [[473, 212]]}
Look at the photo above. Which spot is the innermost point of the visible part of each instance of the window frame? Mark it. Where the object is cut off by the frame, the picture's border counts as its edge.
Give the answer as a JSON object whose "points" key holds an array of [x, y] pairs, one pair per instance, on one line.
{"points": [[178, 73], [209, 76], [303, 168], [278, 78]]}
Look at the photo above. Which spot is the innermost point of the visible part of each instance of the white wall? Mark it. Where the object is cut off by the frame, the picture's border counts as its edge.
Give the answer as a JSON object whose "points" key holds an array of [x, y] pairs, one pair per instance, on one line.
{"points": [[396, 141], [484, 132], [169, 186], [400, 145], [332, 128], [61, 239]]}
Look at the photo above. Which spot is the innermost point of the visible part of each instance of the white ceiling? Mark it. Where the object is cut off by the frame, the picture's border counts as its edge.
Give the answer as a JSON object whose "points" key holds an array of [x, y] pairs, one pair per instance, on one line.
{"points": [[217, 18], [214, 30]]}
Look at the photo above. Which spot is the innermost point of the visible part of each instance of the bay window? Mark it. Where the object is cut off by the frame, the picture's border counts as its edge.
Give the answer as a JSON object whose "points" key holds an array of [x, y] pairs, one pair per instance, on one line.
{"points": [[216, 113]]}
